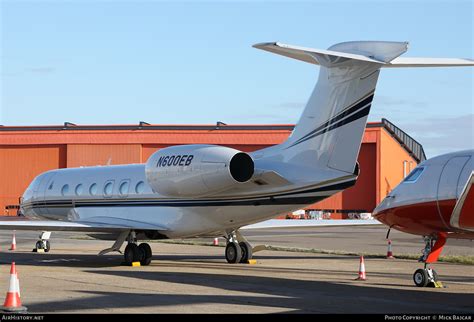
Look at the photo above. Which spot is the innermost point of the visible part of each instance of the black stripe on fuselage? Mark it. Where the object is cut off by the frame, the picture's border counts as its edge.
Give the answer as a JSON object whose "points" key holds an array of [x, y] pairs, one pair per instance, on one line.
{"points": [[282, 199], [334, 122]]}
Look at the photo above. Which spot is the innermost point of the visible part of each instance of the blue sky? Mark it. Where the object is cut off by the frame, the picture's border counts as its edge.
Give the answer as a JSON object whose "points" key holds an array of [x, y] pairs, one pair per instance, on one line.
{"points": [[121, 62]]}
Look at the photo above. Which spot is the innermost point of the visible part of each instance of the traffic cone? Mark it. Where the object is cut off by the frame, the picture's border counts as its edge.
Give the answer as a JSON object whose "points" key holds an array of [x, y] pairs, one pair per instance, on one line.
{"points": [[389, 250], [12, 301], [216, 242], [13, 247], [18, 284], [361, 270]]}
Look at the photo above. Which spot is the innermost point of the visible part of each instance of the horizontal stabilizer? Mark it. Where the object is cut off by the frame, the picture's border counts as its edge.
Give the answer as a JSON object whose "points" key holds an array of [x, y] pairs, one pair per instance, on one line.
{"points": [[428, 62], [309, 55], [384, 53]]}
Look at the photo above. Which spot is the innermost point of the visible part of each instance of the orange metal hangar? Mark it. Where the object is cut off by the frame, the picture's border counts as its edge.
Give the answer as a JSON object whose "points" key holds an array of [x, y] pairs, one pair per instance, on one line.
{"points": [[387, 154]]}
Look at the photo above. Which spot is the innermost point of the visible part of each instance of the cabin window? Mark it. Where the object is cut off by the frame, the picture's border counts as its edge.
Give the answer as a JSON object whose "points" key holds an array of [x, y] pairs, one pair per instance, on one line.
{"points": [[124, 186], [93, 189], [65, 189], [79, 189], [140, 187], [108, 188], [414, 175]]}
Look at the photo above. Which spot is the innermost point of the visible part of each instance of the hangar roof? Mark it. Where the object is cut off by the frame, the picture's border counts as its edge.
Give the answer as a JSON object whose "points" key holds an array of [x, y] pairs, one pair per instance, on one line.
{"points": [[246, 133]]}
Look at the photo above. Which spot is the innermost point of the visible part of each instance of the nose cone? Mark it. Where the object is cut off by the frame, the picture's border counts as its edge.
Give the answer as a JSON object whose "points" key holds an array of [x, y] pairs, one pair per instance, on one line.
{"points": [[380, 212], [380, 207]]}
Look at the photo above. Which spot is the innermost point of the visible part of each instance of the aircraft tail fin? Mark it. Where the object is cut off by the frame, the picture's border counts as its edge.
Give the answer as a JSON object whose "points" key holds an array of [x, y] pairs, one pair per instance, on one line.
{"points": [[330, 129]]}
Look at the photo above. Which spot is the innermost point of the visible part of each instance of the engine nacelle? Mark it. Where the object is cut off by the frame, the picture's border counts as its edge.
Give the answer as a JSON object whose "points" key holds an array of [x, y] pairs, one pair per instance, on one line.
{"points": [[197, 170]]}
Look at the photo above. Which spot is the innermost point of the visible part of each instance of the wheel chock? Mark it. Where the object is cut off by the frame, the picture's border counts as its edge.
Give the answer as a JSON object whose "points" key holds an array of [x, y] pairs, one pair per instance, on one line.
{"points": [[38, 250], [252, 261], [136, 264], [436, 284]]}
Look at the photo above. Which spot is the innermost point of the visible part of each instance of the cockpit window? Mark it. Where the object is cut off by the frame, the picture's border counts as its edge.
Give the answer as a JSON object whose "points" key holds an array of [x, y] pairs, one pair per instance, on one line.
{"points": [[414, 175]]}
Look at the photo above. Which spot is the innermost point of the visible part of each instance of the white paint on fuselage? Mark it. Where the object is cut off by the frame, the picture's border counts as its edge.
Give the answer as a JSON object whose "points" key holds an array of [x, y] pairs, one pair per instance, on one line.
{"points": [[180, 221]]}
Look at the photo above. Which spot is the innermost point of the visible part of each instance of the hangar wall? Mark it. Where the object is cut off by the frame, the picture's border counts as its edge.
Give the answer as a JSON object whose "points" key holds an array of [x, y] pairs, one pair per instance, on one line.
{"points": [[19, 165], [28, 151]]}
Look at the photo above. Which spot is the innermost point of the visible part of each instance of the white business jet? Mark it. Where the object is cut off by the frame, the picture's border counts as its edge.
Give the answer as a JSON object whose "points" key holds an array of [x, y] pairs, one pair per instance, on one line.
{"points": [[208, 190]]}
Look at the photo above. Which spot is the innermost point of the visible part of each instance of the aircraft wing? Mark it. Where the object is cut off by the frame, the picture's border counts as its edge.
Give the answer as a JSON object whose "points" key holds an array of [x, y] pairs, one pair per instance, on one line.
{"points": [[282, 223], [94, 224]]}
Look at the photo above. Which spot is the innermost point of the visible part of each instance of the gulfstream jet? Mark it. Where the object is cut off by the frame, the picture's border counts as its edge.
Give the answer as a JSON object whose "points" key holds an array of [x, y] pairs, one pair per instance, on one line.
{"points": [[209, 190]]}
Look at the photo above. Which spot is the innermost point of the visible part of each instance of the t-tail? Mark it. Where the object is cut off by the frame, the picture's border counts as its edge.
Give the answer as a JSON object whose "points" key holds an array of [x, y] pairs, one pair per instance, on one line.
{"points": [[329, 132]]}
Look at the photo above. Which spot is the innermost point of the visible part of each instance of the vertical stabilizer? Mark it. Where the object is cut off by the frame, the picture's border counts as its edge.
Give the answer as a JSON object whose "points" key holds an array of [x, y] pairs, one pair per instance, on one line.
{"points": [[330, 129]]}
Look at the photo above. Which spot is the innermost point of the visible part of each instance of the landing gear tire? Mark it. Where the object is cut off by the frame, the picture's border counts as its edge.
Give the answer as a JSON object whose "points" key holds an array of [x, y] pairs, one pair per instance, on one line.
{"points": [[131, 254], [48, 246], [421, 277], [145, 254], [42, 244], [233, 253], [246, 252]]}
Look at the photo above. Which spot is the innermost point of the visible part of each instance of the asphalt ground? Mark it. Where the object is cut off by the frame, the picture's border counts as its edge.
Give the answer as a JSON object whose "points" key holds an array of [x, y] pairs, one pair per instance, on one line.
{"points": [[196, 279]]}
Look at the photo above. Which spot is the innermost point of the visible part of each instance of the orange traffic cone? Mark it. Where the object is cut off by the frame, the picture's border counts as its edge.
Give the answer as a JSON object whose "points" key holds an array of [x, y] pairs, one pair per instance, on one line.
{"points": [[361, 270], [13, 247], [389, 250], [12, 301], [216, 242]]}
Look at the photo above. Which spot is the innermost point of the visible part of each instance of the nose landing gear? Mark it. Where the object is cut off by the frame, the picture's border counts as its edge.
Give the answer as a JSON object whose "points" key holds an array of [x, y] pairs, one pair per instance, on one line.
{"points": [[427, 276], [43, 245]]}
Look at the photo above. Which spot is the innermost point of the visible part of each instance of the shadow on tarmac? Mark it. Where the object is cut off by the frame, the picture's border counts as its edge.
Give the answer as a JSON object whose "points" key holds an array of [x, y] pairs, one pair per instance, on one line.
{"points": [[300, 294], [288, 294]]}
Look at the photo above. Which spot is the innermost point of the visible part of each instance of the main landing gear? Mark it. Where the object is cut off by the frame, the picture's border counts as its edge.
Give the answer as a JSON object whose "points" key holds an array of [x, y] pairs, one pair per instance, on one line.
{"points": [[137, 253], [427, 276], [43, 245], [238, 249]]}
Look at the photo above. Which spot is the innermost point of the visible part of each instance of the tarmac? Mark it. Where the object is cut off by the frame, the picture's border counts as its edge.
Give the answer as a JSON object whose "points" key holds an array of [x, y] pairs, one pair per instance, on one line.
{"points": [[71, 278]]}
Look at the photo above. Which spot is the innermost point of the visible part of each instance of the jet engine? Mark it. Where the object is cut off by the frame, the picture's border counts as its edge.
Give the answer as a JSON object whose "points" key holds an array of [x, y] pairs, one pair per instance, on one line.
{"points": [[197, 170]]}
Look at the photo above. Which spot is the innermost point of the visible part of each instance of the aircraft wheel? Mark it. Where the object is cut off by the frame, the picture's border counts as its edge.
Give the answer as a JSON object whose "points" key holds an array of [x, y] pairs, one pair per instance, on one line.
{"points": [[233, 253], [420, 277], [146, 254], [39, 244], [47, 246], [131, 254], [246, 252]]}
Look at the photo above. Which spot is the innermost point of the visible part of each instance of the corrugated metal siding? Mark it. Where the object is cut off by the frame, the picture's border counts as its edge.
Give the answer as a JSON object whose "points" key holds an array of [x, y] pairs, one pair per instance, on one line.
{"points": [[391, 163], [362, 195], [102, 154], [149, 149], [26, 153], [19, 165]]}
